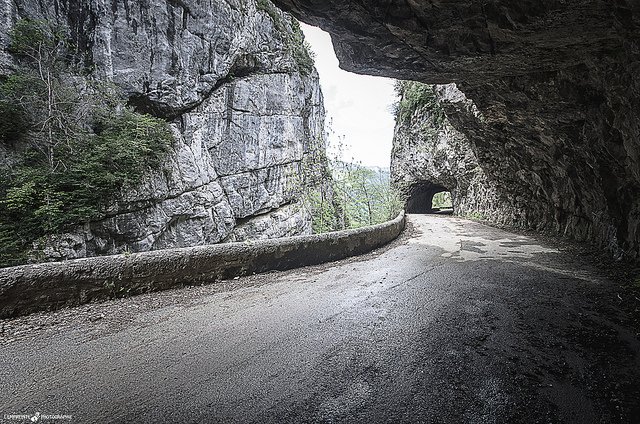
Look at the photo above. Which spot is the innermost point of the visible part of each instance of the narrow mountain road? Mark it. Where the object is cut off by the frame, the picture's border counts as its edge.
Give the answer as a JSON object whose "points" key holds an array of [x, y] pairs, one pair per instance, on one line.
{"points": [[456, 322]]}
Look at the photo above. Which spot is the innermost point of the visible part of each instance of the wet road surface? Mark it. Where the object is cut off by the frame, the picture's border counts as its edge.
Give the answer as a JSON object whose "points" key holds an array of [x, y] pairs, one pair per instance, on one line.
{"points": [[456, 322]]}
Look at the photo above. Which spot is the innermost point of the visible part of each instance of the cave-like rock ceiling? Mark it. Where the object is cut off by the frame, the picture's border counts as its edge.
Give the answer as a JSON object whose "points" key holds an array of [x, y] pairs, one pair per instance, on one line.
{"points": [[555, 82]]}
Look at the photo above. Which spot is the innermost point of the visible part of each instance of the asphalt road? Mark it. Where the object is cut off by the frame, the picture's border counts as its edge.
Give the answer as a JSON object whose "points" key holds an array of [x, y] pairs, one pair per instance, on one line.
{"points": [[456, 322]]}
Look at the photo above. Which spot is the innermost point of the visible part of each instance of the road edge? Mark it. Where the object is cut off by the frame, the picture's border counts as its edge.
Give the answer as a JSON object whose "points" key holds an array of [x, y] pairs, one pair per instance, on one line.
{"points": [[50, 286]]}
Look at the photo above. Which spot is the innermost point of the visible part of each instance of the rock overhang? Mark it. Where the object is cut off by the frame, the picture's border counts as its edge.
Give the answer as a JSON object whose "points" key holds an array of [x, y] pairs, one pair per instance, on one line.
{"points": [[554, 83], [467, 41]]}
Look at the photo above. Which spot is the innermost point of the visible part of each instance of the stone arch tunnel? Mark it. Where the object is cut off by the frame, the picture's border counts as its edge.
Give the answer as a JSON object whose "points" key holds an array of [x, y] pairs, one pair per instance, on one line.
{"points": [[420, 197], [550, 115]]}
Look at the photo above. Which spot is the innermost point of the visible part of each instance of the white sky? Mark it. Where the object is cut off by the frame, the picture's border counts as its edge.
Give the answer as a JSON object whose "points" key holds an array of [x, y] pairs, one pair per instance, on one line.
{"points": [[358, 106]]}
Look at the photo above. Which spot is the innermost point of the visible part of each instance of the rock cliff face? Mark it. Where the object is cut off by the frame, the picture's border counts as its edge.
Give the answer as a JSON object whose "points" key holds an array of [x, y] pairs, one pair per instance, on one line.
{"points": [[245, 111], [430, 155], [557, 128]]}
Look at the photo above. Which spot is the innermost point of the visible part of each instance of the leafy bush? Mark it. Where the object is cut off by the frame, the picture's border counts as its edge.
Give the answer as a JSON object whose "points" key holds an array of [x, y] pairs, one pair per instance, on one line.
{"points": [[36, 200], [273, 12], [414, 96], [299, 49], [35, 38], [13, 122], [366, 195], [325, 210], [40, 48], [340, 195]]}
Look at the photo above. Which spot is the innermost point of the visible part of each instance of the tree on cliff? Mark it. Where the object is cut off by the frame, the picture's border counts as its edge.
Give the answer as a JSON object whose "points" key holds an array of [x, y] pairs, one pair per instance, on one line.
{"points": [[350, 195], [71, 145]]}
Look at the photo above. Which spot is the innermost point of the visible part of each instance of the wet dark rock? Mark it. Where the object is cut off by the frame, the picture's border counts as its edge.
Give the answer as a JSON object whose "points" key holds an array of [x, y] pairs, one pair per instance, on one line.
{"points": [[554, 82]]}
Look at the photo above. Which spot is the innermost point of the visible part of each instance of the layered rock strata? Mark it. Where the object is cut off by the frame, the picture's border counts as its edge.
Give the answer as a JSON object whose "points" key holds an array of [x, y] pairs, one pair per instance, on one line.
{"points": [[245, 112]]}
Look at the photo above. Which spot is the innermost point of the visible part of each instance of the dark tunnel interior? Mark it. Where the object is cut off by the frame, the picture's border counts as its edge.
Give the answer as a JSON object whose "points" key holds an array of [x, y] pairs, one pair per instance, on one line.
{"points": [[420, 197]]}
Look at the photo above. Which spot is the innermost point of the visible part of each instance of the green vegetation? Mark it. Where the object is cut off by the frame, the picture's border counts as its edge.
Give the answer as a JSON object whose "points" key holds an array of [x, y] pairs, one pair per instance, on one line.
{"points": [[273, 12], [414, 96], [325, 210], [442, 200], [365, 194], [476, 215], [299, 49], [358, 197], [345, 195], [74, 147]]}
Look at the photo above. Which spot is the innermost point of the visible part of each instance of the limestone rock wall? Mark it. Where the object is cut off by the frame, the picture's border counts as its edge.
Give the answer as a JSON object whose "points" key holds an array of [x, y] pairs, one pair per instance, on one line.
{"points": [[244, 111], [430, 155], [555, 84]]}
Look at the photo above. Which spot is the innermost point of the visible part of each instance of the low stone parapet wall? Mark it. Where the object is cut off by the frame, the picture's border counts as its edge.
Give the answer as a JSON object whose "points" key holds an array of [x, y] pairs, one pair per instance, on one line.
{"points": [[48, 286]]}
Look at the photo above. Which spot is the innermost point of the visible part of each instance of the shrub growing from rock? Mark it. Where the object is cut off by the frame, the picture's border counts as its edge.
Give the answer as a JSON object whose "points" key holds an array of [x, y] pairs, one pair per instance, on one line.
{"points": [[75, 146]]}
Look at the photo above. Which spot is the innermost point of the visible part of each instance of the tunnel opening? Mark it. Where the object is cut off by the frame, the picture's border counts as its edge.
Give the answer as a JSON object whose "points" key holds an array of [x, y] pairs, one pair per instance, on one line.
{"points": [[427, 197], [442, 201]]}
